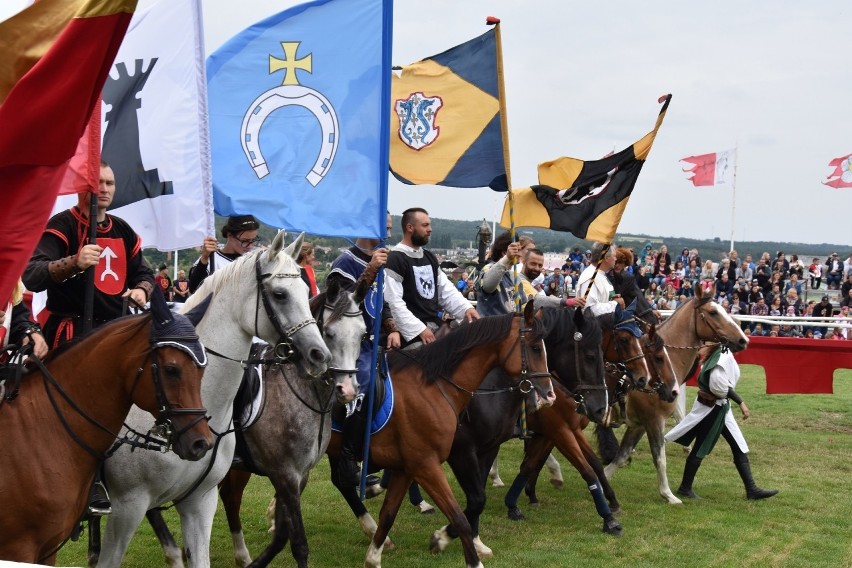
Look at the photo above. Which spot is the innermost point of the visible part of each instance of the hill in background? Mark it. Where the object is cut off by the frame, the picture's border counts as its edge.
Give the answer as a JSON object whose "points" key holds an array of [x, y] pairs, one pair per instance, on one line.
{"points": [[452, 234]]}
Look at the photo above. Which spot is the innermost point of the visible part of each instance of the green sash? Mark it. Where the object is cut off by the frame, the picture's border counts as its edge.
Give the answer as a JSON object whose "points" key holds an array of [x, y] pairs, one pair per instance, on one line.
{"points": [[719, 423]]}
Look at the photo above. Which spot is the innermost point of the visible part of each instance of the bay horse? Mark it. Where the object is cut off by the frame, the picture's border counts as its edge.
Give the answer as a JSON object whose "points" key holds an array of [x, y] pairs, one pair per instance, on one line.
{"points": [[259, 294], [432, 386], [291, 433], [62, 420], [694, 322], [574, 357]]}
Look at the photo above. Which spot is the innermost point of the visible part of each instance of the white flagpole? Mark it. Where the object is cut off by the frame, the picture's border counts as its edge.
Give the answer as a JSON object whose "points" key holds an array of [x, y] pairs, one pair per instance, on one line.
{"points": [[734, 195]]}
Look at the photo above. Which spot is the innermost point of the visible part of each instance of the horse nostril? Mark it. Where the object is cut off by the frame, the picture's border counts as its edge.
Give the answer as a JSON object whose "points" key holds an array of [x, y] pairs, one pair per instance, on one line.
{"points": [[200, 448], [317, 356]]}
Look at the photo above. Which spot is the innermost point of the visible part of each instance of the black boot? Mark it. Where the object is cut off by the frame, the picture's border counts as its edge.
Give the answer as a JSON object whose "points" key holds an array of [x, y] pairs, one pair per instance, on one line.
{"points": [[752, 490], [99, 503], [689, 471], [348, 473]]}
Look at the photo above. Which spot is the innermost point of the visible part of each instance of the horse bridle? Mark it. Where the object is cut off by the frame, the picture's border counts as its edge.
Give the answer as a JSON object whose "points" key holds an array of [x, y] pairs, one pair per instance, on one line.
{"points": [[525, 381], [331, 370], [284, 349], [581, 387], [160, 442]]}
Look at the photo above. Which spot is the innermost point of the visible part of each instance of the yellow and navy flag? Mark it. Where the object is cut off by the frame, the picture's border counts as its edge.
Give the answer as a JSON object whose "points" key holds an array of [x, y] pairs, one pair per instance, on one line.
{"points": [[445, 118], [586, 199]]}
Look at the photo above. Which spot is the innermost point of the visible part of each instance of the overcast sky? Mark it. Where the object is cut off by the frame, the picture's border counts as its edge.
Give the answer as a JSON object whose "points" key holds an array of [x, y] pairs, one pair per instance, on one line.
{"points": [[583, 78]]}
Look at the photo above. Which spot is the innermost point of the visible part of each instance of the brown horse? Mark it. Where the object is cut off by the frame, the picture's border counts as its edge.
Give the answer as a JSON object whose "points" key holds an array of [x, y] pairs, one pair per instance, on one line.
{"points": [[432, 385], [693, 323], [67, 413]]}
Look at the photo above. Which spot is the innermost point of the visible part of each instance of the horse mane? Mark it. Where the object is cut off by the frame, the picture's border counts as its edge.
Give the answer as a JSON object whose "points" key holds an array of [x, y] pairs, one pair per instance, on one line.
{"points": [[339, 308], [226, 275], [655, 342], [64, 347], [606, 321], [441, 357]]}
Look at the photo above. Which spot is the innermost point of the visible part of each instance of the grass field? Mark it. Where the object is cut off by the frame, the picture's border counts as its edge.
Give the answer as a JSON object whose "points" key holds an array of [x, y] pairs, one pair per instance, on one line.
{"points": [[800, 444]]}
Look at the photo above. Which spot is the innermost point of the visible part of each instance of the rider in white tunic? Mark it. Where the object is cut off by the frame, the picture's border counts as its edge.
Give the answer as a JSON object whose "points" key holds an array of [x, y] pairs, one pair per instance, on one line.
{"points": [[711, 417], [601, 298]]}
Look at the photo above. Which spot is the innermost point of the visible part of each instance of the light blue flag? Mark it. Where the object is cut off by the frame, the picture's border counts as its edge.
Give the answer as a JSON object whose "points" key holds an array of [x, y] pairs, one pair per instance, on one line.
{"points": [[299, 125]]}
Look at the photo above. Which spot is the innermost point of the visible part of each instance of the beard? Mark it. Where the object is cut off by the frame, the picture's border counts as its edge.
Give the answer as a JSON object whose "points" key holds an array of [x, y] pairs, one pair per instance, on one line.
{"points": [[532, 274], [419, 240]]}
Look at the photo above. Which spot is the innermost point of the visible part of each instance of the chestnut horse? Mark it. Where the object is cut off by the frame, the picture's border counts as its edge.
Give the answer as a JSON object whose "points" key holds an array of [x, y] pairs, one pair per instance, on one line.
{"points": [[694, 322], [60, 424], [432, 386]]}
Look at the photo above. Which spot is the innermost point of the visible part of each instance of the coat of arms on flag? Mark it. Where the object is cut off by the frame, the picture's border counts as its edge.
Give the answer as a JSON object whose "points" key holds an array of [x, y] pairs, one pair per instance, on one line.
{"points": [[417, 119]]}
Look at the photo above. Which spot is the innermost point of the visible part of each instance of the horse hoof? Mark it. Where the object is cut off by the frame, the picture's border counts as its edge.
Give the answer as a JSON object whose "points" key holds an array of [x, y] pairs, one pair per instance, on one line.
{"points": [[425, 508], [534, 502], [557, 483], [389, 545], [481, 549], [515, 514], [612, 527], [616, 511], [497, 482], [440, 540]]}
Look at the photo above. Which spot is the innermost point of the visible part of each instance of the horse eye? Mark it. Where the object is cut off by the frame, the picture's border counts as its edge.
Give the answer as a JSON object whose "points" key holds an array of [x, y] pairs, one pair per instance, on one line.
{"points": [[279, 295], [329, 334], [172, 371]]}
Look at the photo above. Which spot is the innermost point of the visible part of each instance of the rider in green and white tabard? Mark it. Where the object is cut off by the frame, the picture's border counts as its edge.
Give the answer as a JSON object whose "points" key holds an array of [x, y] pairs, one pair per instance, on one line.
{"points": [[711, 417]]}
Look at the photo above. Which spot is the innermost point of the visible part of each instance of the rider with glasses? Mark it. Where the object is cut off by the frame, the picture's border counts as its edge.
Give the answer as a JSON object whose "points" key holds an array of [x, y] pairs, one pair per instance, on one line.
{"points": [[240, 235]]}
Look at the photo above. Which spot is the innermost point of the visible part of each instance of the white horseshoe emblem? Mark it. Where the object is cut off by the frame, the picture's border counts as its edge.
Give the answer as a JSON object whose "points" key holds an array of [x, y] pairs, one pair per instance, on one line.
{"points": [[286, 95]]}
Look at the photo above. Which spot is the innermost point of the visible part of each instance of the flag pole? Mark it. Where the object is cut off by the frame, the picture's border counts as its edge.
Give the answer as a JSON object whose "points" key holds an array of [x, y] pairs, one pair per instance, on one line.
{"points": [[734, 195], [89, 291], [504, 131], [382, 213]]}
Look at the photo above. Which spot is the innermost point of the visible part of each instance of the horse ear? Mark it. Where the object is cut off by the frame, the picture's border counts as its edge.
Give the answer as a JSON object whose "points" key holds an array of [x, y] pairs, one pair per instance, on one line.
{"points": [[361, 290], [276, 246], [529, 313], [652, 332], [294, 248], [579, 318], [699, 292], [162, 315], [332, 291], [196, 314]]}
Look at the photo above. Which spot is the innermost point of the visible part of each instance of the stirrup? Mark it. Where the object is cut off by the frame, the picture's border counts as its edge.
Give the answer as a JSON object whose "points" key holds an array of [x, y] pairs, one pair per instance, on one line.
{"points": [[99, 511]]}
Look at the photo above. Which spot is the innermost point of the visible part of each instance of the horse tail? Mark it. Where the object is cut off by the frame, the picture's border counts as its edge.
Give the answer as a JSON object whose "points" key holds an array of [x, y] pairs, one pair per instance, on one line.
{"points": [[607, 443]]}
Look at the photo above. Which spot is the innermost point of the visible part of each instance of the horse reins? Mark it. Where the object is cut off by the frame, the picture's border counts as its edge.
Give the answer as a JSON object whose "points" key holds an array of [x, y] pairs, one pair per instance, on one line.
{"points": [[579, 399], [167, 411]]}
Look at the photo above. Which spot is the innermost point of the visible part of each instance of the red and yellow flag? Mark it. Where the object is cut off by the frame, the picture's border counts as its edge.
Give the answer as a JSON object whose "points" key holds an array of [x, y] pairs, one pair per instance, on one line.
{"points": [[56, 57]]}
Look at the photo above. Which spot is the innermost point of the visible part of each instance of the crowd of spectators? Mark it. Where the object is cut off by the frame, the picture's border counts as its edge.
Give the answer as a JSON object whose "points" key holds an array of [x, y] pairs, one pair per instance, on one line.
{"points": [[743, 286]]}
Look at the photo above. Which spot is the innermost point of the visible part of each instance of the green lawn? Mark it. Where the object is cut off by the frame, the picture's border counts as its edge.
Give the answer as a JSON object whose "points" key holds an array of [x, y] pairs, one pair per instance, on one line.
{"points": [[801, 445]]}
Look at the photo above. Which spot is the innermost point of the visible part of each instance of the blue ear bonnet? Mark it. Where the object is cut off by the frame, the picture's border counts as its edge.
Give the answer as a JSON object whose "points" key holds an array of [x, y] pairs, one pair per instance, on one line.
{"points": [[180, 334], [624, 320]]}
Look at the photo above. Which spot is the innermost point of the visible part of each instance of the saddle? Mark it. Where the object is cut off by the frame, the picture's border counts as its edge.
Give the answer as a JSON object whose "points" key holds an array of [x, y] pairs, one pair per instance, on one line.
{"points": [[247, 393]]}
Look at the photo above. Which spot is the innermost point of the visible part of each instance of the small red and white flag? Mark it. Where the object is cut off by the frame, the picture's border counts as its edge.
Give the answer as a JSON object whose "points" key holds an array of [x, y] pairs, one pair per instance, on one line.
{"points": [[712, 169], [842, 175]]}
